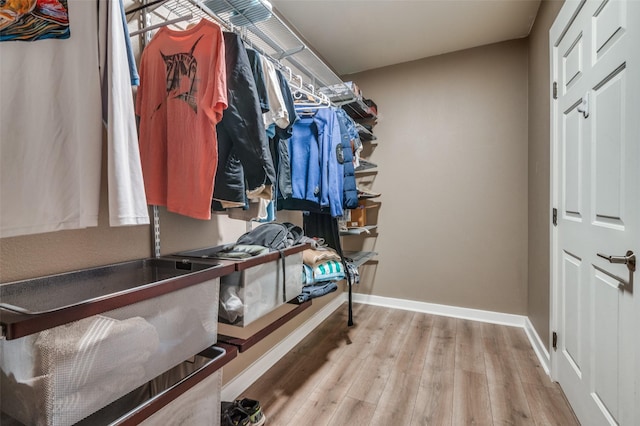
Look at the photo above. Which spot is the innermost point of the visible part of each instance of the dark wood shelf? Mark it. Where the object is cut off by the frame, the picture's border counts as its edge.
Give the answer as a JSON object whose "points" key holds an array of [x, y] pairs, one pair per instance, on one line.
{"points": [[243, 264], [15, 325], [208, 255], [245, 343]]}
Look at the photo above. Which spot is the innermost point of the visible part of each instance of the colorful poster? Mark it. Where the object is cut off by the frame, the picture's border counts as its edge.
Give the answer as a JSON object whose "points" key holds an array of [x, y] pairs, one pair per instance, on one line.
{"points": [[31, 20]]}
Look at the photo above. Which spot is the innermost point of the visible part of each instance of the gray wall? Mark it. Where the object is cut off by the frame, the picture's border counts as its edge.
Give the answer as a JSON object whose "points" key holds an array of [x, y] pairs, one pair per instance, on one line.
{"points": [[539, 169], [452, 157]]}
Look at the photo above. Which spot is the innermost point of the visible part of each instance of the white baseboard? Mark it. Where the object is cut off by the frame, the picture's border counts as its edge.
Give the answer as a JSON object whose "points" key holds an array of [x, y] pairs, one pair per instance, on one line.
{"points": [[445, 310], [465, 313], [538, 346], [242, 381]]}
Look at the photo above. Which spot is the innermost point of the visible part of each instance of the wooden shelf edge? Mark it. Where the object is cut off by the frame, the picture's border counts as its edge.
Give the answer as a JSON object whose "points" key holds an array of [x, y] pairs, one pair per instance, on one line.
{"points": [[244, 344], [152, 406]]}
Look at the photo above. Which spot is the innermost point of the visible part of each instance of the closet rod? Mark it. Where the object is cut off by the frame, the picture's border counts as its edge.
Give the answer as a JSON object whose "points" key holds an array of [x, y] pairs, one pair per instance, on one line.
{"points": [[144, 6], [162, 24]]}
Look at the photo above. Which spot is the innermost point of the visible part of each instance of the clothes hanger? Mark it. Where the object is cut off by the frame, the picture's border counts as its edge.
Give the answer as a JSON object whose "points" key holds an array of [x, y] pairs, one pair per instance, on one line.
{"points": [[144, 6], [163, 24], [308, 98]]}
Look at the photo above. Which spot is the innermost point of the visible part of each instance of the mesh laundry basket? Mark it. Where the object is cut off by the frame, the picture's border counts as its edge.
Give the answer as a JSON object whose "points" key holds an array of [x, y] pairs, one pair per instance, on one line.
{"points": [[63, 374]]}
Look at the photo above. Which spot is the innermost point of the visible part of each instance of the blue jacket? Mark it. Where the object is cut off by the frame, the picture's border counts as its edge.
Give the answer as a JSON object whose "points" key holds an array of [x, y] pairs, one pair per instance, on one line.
{"points": [[350, 196], [317, 176]]}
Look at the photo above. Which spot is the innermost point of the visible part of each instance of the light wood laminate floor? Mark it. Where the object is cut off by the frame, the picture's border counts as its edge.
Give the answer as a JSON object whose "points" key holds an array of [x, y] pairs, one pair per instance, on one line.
{"points": [[399, 368]]}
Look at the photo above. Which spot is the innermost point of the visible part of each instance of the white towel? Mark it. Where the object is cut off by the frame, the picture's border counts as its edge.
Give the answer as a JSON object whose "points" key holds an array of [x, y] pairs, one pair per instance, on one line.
{"points": [[87, 350]]}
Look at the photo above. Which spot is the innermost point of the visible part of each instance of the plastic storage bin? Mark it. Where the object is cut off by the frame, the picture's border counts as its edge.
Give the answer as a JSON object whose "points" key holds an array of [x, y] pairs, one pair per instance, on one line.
{"points": [[60, 375]]}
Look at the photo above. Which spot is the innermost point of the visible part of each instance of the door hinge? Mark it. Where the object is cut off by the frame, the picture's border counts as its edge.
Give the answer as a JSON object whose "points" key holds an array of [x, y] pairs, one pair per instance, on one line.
{"points": [[555, 90], [554, 342], [554, 216]]}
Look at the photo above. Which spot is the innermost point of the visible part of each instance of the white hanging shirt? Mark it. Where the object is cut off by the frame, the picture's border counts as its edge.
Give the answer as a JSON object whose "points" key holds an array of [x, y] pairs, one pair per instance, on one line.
{"points": [[127, 200], [51, 130], [277, 113]]}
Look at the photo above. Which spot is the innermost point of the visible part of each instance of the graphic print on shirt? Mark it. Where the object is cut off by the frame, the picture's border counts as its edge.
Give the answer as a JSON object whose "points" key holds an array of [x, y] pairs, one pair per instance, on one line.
{"points": [[31, 20], [181, 77]]}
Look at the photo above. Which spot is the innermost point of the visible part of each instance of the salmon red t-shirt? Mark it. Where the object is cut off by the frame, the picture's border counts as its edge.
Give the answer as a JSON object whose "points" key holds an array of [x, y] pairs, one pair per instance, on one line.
{"points": [[180, 100]]}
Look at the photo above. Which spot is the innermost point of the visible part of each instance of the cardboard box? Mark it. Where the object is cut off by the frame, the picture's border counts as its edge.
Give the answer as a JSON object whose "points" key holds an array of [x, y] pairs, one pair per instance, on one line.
{"points": [[358, 217]]}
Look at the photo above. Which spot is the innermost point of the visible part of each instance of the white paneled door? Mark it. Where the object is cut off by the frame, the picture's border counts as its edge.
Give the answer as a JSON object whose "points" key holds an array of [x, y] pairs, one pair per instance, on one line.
{"points": [[595, 64]]}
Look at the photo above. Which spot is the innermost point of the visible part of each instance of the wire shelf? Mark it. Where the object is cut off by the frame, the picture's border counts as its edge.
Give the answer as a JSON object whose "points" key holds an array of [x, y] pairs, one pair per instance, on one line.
{"points": [[264, 30]]}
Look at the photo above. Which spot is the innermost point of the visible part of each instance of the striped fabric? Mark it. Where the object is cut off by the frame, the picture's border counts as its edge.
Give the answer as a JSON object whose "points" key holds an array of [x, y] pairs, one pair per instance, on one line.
{"points": [[330, 270]]}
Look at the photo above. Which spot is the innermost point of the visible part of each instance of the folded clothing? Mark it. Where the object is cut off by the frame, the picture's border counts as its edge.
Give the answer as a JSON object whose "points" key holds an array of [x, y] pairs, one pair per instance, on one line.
{"points": [[314, 257], [241, 251], [331, 270], [317, 290]]}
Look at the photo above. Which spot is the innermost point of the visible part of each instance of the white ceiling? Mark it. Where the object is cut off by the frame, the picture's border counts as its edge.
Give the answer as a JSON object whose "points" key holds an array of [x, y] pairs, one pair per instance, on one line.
{"points": [[358, 35]]}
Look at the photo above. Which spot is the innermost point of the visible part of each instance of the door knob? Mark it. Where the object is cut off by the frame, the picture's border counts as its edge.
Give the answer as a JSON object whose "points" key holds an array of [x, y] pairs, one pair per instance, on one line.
{"points": [[629, 259], [584, 105]]}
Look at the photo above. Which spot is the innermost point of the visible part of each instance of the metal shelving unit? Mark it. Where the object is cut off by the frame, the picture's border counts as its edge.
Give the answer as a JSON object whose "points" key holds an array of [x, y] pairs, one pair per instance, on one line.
{"points": [[359, 258], [267, 32], [264, 30], [366, 166], [360, 230], [341, 94], [366, 135]]}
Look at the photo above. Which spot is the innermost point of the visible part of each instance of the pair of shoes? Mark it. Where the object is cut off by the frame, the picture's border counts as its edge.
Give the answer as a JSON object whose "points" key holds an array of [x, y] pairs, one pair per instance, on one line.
{"points": [[233, 416], [253, 409], [242, 412]]}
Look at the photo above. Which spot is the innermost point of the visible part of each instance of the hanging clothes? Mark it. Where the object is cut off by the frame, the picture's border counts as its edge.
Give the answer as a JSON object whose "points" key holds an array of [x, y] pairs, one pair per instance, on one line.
{"points": [[279, 146], [133, 70], [356, 142], [255, 210], [51, 127], [245, 164], [277, 114], [127, 200], [261, 209], [317, 172], [279, 143], [350, 199], [181, 98], [258, 76]]}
